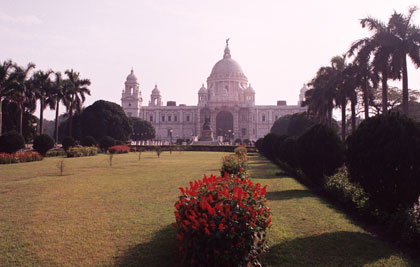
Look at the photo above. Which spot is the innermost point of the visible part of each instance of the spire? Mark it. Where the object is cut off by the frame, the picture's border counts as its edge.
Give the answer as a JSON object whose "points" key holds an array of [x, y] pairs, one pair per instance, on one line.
{"points": [[227, 50]]}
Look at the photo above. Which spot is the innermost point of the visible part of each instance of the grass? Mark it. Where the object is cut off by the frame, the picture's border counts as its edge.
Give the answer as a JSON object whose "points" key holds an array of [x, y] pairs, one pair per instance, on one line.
{"points": [[97, 215]]}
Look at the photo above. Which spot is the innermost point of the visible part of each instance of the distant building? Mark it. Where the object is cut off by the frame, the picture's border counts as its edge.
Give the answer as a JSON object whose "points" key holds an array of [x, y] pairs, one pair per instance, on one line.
{"points": [[227, 106]]}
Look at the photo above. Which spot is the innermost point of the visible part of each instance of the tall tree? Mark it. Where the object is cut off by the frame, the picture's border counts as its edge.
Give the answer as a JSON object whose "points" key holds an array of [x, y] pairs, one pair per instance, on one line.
{"points": [[404, 41], [19, 90], [43, 92], [320, 97], [76, 91], [377, 46], [59, 95], [4, 80]]}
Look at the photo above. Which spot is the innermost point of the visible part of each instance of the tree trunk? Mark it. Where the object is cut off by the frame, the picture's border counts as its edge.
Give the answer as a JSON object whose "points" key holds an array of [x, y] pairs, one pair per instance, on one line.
{"points": [[71, 120], [329, 118], [41, 116], [366, 97], [353, 115], [343, 119], [405, 87], [20, 118], [1, 114], [56, 120], [384, 91]]}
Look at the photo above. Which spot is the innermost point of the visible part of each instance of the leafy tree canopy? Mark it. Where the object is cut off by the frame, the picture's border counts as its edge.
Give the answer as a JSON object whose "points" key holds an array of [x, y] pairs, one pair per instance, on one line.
{"points": [[142, 129], [104, 118]]}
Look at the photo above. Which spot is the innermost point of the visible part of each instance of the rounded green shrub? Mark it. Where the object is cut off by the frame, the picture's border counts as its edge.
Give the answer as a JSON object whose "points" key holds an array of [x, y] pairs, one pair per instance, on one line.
{"points": [[43, 143], [320, 152], [383, 157], [106, 142], [88, 141], [11, 142]]}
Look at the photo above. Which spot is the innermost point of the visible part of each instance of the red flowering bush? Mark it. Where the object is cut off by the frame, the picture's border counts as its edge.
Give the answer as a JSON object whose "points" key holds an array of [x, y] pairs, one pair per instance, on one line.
{"points": [[6, 158], [222, 221], [119, 149], [234, 166]]}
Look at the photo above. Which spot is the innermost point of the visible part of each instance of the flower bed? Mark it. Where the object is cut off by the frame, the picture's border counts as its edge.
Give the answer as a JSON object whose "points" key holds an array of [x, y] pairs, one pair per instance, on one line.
{"points": [[119, 149], [222, 221], [19, 157], [55, 153], [82, 151]]}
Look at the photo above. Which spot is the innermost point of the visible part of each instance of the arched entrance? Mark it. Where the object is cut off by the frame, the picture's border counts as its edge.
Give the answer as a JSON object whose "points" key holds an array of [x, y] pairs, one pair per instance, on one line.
{"points": [[224, 124]]}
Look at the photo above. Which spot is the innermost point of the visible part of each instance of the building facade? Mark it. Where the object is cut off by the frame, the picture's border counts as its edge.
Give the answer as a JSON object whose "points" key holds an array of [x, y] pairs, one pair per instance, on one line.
{"points": [[226, 106]]}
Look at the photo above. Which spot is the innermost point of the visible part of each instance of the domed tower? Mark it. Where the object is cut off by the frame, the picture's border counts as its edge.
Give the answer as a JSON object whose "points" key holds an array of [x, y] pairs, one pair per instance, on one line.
{"points": [[226, 82], [155, 98], [249, 95], [131, 99], [302, 94], [202, 96]]}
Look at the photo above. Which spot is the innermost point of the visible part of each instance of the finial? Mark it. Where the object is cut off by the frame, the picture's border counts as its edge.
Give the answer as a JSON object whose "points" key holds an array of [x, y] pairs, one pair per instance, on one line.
{"points": [[227, 50], [132, 70]]}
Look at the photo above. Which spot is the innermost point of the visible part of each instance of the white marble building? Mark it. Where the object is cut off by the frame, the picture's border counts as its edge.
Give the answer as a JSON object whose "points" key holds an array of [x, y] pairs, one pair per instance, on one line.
{"points": [[228, 102]]}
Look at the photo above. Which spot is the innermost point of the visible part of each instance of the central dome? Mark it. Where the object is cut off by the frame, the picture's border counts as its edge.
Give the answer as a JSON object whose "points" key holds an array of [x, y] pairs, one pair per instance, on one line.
{"points": [[227, 69]]}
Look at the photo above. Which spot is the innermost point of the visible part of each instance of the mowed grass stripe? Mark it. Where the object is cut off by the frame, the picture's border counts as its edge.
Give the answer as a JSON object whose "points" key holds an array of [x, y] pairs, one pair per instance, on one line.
{"points": [[97, 215]]}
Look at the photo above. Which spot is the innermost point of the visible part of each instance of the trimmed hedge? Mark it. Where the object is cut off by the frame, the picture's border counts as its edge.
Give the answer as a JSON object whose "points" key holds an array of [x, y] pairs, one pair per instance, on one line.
{"points": [[383, 156], [43, 143], [11, 142]]}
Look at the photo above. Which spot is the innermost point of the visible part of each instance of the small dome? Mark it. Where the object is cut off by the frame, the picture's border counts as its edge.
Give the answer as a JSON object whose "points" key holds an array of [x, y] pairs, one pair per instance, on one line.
{"points": [[250, 89], [131, 77], [155, 90], [202, 90]]}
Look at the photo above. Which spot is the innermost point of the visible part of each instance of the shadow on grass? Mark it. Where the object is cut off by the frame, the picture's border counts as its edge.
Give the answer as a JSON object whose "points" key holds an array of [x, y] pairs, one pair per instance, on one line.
{"points": [[330, 249], [159, 251], [288, 194]]}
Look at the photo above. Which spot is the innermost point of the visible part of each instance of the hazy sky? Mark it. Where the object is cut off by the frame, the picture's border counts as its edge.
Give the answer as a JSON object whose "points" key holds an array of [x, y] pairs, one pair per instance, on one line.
{"points": [[279, 44]]}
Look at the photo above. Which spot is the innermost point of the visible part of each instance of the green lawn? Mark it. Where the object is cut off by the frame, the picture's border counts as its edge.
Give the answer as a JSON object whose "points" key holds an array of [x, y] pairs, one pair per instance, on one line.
{"points": [[97, 215]]}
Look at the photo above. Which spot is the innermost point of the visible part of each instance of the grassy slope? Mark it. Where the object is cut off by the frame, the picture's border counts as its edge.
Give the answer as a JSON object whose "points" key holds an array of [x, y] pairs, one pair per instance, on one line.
{"points": [[121, 215]]}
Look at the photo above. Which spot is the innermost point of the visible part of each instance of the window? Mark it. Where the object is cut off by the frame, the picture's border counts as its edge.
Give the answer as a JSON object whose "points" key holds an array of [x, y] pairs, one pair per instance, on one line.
{"points": [[188, 117], [243, 131], [169, 118], [263, 117], [129, 114], [151, 118], [129, 104], [277, 117], [175, 118], [163, 118], [243, 117]]}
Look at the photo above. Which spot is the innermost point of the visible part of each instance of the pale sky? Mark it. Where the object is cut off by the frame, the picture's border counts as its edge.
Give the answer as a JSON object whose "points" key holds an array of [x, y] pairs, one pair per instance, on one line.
{"points": [[279, 44]]}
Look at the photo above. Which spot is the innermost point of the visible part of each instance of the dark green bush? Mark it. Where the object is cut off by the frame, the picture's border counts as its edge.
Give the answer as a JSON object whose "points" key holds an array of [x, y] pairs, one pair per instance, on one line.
{"points": [[320, 153], [88, 141], [11, 142], [43, 143], [119, 143], [106, 142], [339, 187], [286, 151], [383, 157], [67, 142]]}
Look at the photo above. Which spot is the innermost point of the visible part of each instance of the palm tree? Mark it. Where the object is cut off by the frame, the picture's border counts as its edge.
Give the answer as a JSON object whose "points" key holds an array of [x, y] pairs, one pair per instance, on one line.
{"points": [[405, 40], [378, 46], [43, 91], [59, 96], [20, 91], [320, 97], [4, 81], [77, 88]]}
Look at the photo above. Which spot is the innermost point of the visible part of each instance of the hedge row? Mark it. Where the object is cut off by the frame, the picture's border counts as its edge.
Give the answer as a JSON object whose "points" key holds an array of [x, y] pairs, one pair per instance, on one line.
{"points": [[211, 148], [380, 177]]}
